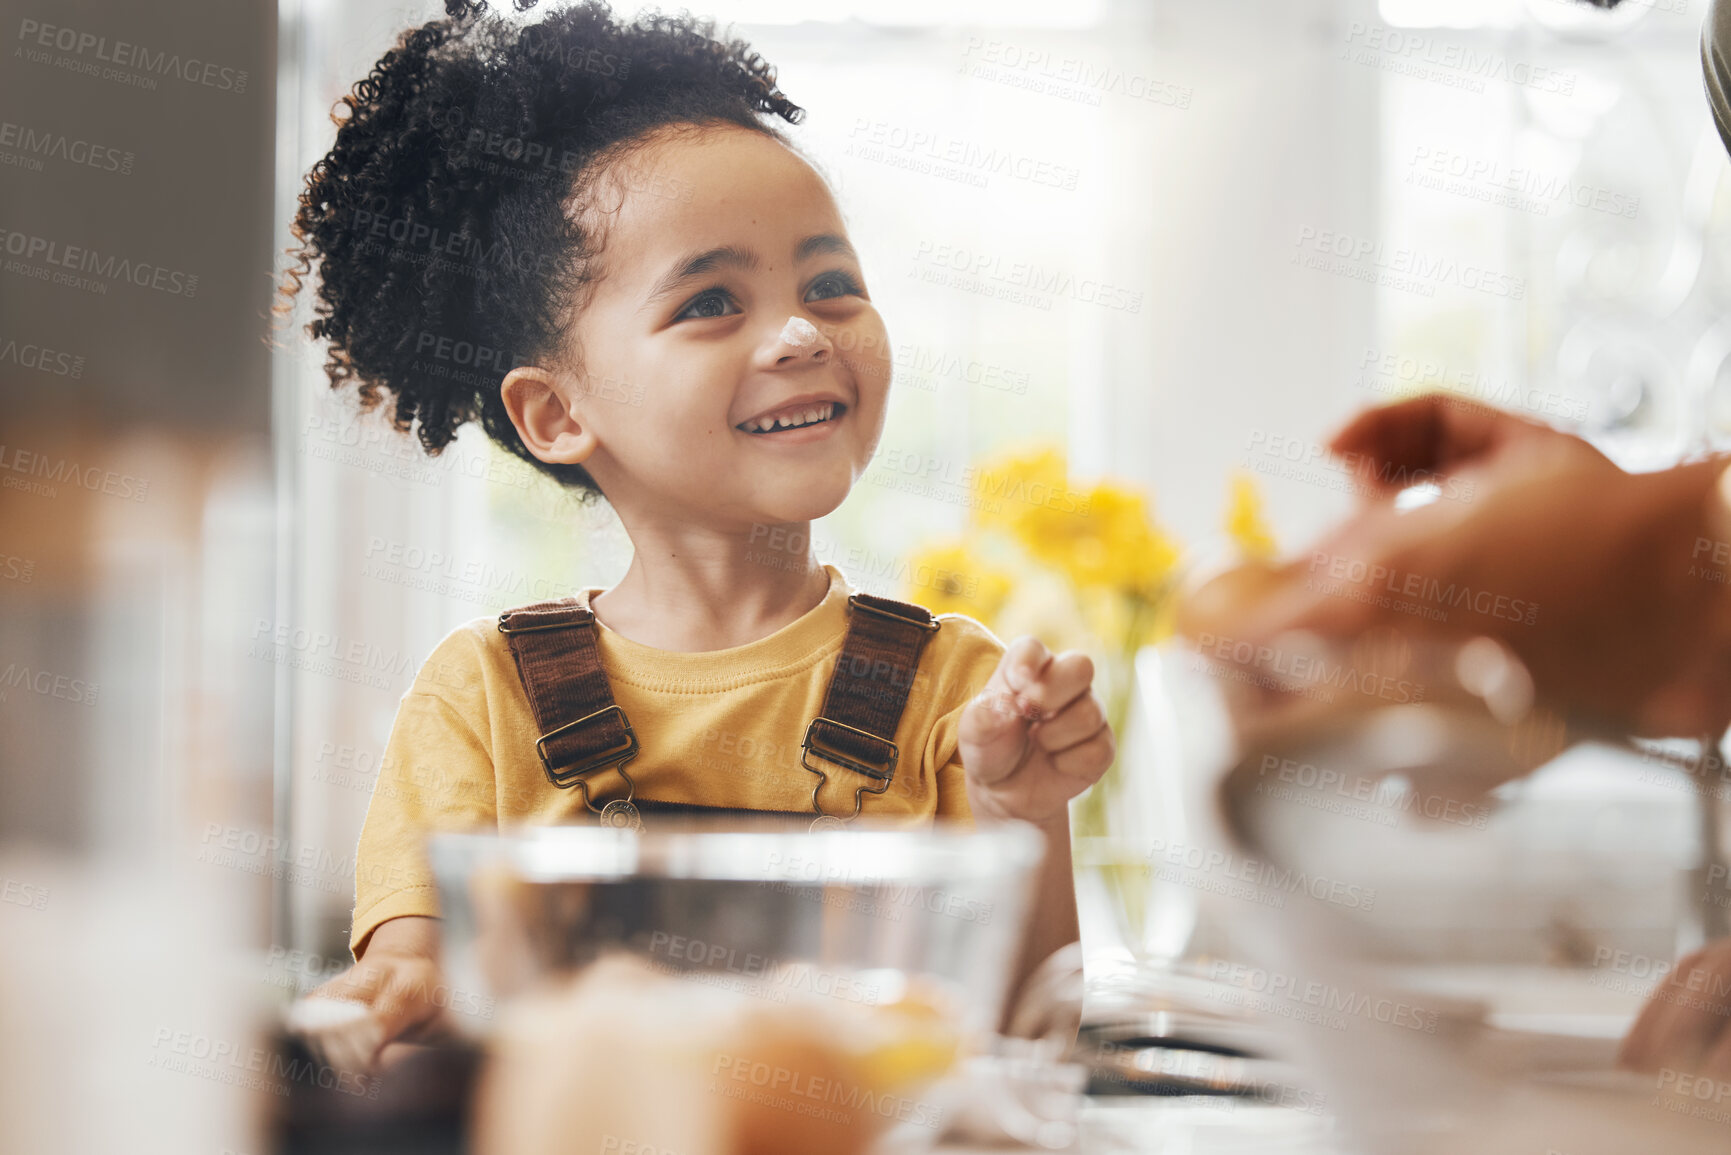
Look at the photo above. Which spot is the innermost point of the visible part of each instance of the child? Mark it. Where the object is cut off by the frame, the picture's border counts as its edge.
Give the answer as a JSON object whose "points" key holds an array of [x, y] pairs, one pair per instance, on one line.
{"points": [[681, 325]]}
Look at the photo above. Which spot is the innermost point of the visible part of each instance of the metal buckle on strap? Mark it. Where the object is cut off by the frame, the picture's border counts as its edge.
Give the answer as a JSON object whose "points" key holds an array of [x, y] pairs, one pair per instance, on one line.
{"points": [[882, 775], [570, 773], [871, 770], [928, 624]]}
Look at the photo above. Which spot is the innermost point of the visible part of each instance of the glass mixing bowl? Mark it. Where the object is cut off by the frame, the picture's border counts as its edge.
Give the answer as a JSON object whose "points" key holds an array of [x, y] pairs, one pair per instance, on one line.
{"points": [[812, 987]]}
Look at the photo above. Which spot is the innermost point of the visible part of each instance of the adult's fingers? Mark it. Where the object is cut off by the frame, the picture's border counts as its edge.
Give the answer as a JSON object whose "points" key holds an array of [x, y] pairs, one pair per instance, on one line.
{"points": [[1667, 1033], [1685, 1019], [1433, 433], [1233, 615]]}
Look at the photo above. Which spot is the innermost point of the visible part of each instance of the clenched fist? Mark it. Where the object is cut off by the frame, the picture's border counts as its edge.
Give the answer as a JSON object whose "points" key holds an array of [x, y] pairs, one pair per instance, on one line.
{"points": [[1036, 736]]}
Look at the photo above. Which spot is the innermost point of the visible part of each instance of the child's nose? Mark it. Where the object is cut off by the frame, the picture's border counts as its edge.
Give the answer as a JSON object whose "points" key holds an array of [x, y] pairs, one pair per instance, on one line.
{"points": [[799, 338]]}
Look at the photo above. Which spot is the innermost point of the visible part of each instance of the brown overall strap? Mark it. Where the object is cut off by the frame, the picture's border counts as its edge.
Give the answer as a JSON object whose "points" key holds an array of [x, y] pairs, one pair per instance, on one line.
{"points": [[869, 690], [559, 661], [583, 729]]}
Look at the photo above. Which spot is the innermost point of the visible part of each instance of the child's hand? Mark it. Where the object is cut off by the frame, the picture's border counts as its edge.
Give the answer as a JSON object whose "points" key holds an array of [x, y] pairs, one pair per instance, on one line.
{"points": [[397, 985], [1036, 736]]}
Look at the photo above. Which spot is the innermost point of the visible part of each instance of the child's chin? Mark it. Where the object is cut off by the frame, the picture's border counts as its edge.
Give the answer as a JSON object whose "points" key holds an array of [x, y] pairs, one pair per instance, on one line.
{"points": [[781, 513], [805, 500]]}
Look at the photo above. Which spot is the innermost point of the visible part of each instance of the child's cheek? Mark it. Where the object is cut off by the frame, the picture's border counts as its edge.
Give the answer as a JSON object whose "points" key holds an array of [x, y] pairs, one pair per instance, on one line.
{"points": [[864, 345]]}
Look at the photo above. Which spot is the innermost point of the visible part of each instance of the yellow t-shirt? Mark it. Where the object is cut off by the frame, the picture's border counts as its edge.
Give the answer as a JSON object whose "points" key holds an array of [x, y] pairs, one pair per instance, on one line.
{"points": [[716, 729]]}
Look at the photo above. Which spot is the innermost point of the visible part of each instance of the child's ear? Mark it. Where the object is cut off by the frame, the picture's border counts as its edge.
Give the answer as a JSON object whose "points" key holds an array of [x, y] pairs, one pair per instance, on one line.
{"points": [[553, 429]]}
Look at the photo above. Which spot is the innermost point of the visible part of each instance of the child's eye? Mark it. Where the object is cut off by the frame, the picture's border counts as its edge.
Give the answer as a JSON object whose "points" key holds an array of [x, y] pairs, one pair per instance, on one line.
{"points": [[709, 303], [834, 284]]}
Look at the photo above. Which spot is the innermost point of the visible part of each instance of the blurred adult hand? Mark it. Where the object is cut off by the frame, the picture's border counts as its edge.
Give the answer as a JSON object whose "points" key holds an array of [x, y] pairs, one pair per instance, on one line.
{"points": [[1686, 1024], [1601, 581]]}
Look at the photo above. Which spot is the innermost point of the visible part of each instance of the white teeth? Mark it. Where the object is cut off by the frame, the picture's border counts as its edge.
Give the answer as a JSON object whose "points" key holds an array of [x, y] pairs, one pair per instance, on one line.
{"points": [[821, 412]]}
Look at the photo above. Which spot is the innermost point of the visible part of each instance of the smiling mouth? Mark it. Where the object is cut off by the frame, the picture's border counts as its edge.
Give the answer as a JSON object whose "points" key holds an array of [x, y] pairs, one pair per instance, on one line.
{"points": [[796, 419]]}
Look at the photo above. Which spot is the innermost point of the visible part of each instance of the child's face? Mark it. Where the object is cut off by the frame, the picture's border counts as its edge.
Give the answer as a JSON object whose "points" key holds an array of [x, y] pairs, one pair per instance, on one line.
{"points": [[717, 238]]}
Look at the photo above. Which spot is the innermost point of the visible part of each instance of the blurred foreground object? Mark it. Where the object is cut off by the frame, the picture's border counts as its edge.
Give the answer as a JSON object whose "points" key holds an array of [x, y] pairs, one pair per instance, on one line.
{"points": [[730, 989], [1406, 1064], [128, 1020], [1687, 1022], [1585, 602], [1610, 587], [627, 1052]]}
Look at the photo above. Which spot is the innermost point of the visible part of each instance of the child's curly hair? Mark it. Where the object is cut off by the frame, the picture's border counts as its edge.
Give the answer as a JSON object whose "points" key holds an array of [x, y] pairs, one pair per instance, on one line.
{"points": [[442, 219]]}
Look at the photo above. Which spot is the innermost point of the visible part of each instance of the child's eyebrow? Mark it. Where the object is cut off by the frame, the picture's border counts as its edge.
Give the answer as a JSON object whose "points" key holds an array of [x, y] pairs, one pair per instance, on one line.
{"points": [[695, 265], [824, 243]]}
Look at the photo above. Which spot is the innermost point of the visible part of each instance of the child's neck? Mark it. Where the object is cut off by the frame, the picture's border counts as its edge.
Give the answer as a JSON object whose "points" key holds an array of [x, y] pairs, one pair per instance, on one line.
{"points": [[690, 595]]}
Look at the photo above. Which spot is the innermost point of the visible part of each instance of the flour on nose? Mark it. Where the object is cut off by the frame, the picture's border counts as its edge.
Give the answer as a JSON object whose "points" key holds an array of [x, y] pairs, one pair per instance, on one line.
{"points": [[799, 332]]}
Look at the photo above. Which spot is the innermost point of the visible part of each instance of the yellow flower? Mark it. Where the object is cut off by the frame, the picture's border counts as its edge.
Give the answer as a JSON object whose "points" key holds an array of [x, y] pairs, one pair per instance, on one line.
{"points": [[1003, 486], [1106, 537], [957, 578], [1102, 537], [1244, 520]]}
